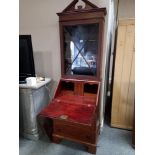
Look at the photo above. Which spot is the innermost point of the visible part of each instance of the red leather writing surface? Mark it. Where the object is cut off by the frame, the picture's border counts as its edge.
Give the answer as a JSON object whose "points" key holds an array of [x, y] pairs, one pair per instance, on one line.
{"points": [[76, 108]]}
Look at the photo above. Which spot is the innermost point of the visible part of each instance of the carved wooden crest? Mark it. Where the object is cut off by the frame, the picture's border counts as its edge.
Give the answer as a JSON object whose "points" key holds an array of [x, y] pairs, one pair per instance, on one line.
{"points": [[72, 6]]}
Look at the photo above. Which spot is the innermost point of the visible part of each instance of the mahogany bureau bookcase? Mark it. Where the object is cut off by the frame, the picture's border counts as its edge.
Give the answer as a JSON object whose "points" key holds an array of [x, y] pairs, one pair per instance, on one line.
{"points": [[73, 113]]}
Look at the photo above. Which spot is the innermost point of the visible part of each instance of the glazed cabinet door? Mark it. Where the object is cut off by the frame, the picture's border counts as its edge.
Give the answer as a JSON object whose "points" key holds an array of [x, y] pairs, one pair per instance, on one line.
{"points": [[81, 49]]}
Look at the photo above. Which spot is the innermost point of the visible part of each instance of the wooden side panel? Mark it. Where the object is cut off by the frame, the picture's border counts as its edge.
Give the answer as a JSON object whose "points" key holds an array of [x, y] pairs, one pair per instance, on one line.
{"points": [[131, 96], [123, 88], [117, 77]]}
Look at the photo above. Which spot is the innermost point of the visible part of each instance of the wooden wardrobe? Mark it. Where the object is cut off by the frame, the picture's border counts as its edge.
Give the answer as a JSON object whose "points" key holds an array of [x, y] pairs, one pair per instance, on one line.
{"points": [[124, 76]]}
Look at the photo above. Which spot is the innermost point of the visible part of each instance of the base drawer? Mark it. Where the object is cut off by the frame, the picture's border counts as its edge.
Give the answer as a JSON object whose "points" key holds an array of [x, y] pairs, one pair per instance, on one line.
{"points": [[74, 131]]}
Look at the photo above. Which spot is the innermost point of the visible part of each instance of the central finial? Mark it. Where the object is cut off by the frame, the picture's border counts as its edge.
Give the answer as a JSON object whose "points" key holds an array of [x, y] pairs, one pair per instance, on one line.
{"points": [[80, 5]]}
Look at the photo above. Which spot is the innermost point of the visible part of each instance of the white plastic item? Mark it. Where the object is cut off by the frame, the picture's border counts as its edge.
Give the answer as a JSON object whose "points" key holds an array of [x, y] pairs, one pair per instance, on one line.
{"points": [[31, 81]]}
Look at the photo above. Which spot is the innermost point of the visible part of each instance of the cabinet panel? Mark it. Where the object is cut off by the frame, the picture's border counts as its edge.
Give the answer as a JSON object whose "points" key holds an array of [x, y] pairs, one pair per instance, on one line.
{"points": [[123, 88]]}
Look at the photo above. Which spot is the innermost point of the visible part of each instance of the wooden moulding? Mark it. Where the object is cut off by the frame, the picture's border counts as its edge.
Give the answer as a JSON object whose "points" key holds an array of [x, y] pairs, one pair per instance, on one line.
{"points": [[89, 7], [84, 15]]}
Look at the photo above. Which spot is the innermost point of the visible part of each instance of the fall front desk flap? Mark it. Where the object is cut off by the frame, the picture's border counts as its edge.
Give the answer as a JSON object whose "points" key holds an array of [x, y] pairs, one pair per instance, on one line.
{"points": [[71, 107]]}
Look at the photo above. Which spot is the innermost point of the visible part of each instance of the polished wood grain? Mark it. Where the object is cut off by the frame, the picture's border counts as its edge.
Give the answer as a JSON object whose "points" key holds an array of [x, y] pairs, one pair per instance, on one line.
{"points": [[74, 109], [124, 77], [79, 88], [74, 113]]}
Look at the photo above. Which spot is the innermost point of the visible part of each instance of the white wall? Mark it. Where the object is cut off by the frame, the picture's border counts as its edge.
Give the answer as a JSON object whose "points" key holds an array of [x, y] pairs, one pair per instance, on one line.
{"points": [[105, 3], [38, 18]]}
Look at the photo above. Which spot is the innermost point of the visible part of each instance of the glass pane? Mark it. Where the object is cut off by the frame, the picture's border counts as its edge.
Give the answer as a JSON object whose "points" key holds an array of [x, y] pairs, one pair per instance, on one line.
{"points": [[80, 49]]}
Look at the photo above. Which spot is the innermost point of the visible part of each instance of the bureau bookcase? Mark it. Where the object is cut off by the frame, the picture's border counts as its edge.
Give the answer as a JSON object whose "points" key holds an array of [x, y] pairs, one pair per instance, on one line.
{"points": [[74, 110]]}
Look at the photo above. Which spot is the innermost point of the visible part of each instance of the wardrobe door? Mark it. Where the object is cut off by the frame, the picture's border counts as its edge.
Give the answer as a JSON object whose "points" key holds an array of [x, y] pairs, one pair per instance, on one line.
{"points": [[124, 76]]}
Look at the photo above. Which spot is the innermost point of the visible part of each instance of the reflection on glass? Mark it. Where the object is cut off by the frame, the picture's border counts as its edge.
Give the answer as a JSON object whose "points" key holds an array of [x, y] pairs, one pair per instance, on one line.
{"points": [[81, 46]]}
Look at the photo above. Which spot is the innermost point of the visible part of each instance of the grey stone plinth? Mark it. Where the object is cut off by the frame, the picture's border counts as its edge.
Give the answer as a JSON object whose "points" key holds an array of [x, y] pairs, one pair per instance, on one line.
{"points": [[32, 99]]}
